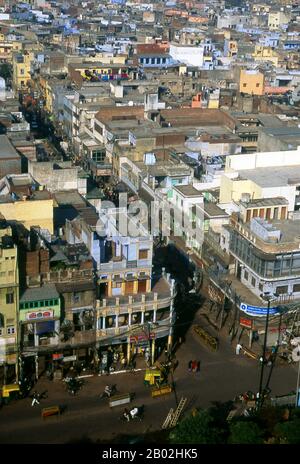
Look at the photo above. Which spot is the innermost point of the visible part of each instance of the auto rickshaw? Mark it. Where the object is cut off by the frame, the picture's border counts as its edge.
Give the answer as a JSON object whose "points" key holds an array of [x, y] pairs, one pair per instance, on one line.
{"points": [[153, 377], [10, 392]]}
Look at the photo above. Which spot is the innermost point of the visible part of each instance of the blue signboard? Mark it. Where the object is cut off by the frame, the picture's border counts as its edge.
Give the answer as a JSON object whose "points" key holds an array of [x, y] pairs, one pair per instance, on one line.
{"points": [[257, 311]]}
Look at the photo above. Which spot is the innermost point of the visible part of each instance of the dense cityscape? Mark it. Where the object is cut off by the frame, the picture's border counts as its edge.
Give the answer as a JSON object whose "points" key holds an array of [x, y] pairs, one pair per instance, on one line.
{"points": [[149, 222]]}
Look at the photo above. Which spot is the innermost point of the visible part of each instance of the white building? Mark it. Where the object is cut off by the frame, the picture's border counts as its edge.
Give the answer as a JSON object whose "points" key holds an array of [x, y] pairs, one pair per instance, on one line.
{"points": [[189, 55]]}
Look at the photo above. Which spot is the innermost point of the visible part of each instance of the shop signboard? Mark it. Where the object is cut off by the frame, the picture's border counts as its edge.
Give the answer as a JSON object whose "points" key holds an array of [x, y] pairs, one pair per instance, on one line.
{"points": [[33, 315], [141, 337], [257, 311], [57, 356], [244, 322], [70, 358]]}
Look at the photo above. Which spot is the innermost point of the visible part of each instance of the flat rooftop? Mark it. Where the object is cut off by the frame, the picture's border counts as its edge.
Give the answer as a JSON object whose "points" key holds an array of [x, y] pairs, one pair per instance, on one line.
{"points": [[188, 190], [290, 231], [263, 202], [273, 176]]}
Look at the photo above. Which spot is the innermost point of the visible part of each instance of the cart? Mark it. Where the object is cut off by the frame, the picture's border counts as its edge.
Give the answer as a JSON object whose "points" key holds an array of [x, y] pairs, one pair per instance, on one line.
{"points": [[162, 390], [118, 400], [51, 411]]}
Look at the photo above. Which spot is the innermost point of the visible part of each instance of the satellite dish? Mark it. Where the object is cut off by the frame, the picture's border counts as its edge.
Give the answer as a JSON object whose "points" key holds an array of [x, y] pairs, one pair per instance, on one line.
{"points": [[296, 354]]}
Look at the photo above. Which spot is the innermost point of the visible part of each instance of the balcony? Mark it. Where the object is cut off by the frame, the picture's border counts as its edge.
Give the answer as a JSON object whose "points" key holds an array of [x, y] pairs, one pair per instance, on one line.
{"points": [[83, 338], [135, 302]]}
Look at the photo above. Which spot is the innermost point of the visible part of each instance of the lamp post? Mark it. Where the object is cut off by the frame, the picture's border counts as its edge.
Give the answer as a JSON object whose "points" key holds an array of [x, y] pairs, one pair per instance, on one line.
{"points": [[260, 398]]}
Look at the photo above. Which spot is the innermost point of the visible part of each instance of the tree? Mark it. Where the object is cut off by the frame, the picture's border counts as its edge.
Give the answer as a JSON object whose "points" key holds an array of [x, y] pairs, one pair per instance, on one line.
{"points": [[199, 428], [245, 432], [5, 71], [288, 432]]}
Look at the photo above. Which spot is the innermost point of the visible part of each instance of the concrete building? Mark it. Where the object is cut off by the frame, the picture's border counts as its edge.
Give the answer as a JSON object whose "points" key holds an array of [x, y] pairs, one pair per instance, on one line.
{"points": [[262, 175], [22, 200], [10, 160], [251, 82], [22, 70], [189, 55], [9, 299]]}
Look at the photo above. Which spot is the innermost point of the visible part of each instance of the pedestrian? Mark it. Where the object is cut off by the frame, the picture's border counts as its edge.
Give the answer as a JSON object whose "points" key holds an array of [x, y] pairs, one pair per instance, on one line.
{"points": [[238, 348], [194, 366], [190, 365], [35, 398], [198, 366]]}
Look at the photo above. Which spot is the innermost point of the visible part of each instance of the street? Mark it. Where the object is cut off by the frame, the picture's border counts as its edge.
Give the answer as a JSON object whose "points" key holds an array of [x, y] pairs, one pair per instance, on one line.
{"points": [[222, 376]]}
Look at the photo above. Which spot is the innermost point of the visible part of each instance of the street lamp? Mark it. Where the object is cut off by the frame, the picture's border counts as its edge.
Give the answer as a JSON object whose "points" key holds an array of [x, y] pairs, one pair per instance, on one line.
{"points": [[269, 298]]}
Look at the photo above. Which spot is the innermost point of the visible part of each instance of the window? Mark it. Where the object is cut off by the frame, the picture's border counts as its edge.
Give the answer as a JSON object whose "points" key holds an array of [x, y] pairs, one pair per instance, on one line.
{"points": [[117, 284], [76, 297], [246, 275], [260, 286], [282, 289], [143, 254], [22, 71], [244, 85], [296, 288], [11, 330], [253, 282], [9, 298], [42, 304], [257, 85]]}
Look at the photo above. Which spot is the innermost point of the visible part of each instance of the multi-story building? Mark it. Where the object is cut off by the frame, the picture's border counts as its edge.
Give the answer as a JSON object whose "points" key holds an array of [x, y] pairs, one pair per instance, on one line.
{"points": [[9, 300], [252, 82], [129, 301], [22, 70]]}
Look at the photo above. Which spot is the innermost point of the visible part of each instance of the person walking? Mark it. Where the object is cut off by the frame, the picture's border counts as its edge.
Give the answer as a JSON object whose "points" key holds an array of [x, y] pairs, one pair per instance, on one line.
{"points": [[198, 366], [238, 348], [35, 399], [190, 365]]}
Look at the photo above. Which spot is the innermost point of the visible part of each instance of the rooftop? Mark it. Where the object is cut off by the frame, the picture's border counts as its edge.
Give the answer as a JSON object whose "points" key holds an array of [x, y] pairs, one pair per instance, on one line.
{"points": [[188, 190], [7, 151], [262, 202], [39, 293]]}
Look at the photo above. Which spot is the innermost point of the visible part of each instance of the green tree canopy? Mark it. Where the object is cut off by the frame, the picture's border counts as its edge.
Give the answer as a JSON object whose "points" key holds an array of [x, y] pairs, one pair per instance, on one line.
{"points": [[288, 432], [5, 71], [199, 428], [245, 432]]}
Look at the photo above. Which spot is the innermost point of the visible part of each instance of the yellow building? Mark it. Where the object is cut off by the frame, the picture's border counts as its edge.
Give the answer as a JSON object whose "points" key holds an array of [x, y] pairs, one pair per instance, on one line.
{"points": [[7, 48], [262, 53], [9, 303], [21, 70], [261, 8], [46, 91], [36, 211], [252, 82], [231, 48]]}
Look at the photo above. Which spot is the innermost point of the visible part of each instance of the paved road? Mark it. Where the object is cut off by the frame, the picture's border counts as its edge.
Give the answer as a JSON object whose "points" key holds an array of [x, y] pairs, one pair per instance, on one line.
{"points": [[223, 375]]}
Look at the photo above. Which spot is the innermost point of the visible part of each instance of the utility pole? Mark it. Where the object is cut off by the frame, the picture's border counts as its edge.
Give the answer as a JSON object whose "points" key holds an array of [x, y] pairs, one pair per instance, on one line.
{"points": [[260, 399]]}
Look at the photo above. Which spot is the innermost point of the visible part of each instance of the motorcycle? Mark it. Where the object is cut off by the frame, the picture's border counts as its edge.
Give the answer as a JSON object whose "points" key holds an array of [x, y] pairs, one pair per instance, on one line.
{"points": [[73, 385], [109, 391], [136, 413]]}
